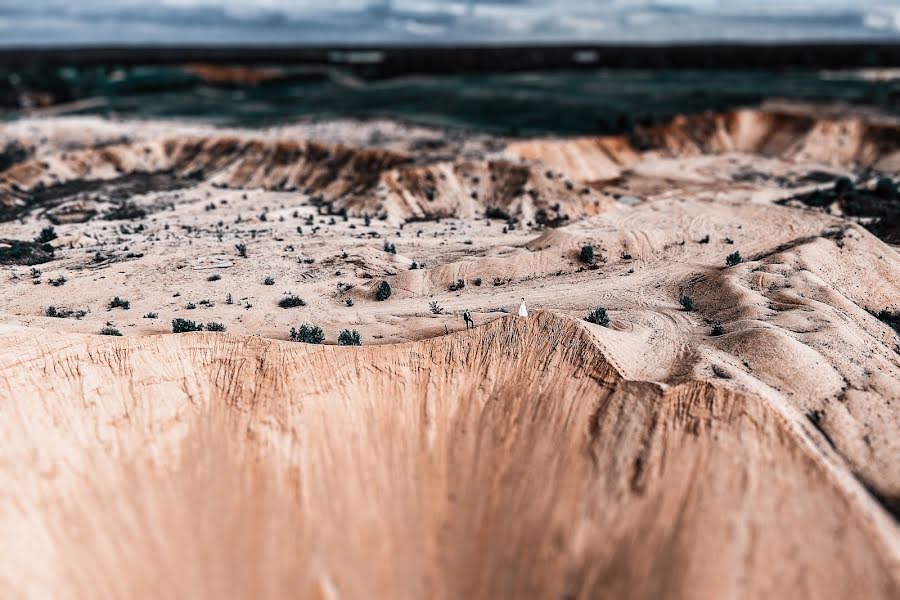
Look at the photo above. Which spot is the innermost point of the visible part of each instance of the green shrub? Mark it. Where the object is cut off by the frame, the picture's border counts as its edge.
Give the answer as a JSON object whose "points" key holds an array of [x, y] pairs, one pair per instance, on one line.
{"points": [[717, 329], [349, 337], [151, 315], [214, 277], [734, 259], [308, 334], [687, 303], [47, 234], [598, 316], [212, 326], [242, 250], [269, 280], [587, 254], [110, 331], [64, 313], [118, 303], [383, 292], [436, 309], [185, 325], [389, 247], [458, 285], [291, 301]]}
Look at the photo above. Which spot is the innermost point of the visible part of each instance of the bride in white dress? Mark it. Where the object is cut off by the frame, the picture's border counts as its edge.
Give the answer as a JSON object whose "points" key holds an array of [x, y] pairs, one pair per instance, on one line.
{"points": [[523, 312]]}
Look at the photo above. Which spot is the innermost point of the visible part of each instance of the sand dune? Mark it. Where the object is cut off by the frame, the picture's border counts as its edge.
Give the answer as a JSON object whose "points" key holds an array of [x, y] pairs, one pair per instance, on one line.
{"points": [[512, 460], [731, 431]]}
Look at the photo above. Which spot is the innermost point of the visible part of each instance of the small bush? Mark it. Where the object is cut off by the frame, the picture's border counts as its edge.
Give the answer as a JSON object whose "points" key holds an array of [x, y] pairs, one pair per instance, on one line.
{"points": [[229, 299], [598, 316], [35, 273], [213, 326], [291, 301], [348, 301], [349, 337], [704, 239], [64, 313], [214, 277], [151, 315], [58, 281], [110, 331], [389, 248], [308, 334], [47, 234], [477, 281], [383, 292], [185, 325], [587, 254], [242, 250], [118, 303], [458, 285], [436, 309], [413, 266], [734, 259], [717, 329], [269, 280], [190, 306], [687, 303]]}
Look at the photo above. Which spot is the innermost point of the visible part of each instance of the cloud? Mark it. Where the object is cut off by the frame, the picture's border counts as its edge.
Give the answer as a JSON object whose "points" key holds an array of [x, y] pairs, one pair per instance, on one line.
{"points": [[47, 22]]}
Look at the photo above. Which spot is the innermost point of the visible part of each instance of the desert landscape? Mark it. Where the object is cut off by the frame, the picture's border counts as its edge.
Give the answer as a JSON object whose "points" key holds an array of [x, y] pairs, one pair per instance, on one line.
{"points": [[234, 361]]}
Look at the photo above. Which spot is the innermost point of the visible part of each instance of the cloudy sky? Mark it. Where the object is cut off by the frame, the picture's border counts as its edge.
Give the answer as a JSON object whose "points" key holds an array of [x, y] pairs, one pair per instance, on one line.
{"points": [[80, 22]]}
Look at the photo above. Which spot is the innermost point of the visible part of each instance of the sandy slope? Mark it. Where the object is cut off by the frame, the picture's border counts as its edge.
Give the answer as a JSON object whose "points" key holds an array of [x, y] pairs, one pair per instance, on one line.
{"points": [[512, 460], [545, 457]]}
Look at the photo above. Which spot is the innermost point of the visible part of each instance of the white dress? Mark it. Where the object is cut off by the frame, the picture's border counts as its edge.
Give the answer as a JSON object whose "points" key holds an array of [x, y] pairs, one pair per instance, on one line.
{"points": [[523, 312]]}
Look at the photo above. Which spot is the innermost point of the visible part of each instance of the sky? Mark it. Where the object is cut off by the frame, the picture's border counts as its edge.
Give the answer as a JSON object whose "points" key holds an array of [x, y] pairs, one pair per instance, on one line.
{"points": [[97, 22]]}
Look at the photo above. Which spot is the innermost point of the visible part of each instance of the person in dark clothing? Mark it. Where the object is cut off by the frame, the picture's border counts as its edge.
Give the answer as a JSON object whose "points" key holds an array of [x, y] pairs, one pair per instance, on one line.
{"points": [[467, 317]]}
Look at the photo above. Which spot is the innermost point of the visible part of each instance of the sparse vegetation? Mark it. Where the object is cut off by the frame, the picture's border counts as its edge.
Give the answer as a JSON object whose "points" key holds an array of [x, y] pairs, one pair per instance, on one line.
{"points": [[348, 301], [436, 309], [477, 282], [151, 315], [229, 299], [457, 285], [58, 281], [587, 254], [389, 247], [242, 250], [110, 331], [413, 266], [213, 326], [308, 334], [214, 277], [269, 280], [64, 313], [349, 337], [687, 303], [291, 301], [734, 259], [47, 234], [704, 239], [717, 329], [180, 325], [383, 292], [190, 306], [598, 316], [118, 303]]}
